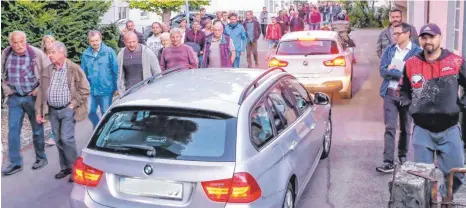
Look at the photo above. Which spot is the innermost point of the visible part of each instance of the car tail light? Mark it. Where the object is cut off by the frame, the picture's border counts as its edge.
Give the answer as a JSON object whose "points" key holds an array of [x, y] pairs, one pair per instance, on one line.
{"points": [[242, 188], [338, 61], [277, 63], [86, 175]]}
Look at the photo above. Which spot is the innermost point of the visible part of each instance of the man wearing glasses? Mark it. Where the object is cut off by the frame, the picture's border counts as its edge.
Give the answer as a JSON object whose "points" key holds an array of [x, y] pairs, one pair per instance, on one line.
{"points": [[391, 70]]}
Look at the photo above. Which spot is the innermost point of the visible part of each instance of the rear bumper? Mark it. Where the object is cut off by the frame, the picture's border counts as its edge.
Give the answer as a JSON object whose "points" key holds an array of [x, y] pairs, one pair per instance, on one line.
{"points": [[274, 201], [329, 86], [326, 84], [80, 199]]}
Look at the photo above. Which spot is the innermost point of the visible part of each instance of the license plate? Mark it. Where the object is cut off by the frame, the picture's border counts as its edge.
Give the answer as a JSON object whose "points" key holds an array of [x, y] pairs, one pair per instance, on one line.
{"points": [[308, 81], [151, 188]]}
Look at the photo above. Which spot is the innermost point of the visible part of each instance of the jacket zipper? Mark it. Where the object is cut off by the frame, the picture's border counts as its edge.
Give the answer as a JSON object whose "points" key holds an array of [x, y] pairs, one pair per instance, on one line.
{"points": [[431, 70]]}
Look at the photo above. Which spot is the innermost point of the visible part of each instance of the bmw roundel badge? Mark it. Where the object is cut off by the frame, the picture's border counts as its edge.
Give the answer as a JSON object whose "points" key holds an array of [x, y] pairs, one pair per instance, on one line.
{"points": [[305, 63], [148, 169]]}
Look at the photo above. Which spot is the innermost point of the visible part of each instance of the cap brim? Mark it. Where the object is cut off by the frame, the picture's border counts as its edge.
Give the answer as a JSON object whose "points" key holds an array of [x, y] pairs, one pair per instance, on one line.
{"points": [[428, 33]]}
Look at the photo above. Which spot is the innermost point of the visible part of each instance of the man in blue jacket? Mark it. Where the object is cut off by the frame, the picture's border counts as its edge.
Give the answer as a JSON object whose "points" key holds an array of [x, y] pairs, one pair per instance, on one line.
{"points": [[391, 70], [100, 65], [238, 34]]}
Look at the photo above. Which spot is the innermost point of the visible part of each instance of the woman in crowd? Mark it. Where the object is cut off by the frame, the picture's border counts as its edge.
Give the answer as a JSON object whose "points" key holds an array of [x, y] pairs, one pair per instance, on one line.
{"points": [[166, 42], [154, 42], [184, 28], [165, 27], [208, 27]]}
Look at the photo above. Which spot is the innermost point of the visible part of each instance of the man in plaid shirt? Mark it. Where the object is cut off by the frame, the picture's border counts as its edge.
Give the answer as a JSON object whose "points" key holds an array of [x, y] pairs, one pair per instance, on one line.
{"points": [[62, 97], [21, 68]]}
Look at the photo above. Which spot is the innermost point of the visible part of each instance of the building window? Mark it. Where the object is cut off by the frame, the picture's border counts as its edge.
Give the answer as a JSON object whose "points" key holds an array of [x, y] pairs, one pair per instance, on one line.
{"points": [[457, 25], [123, 12], [144, 15]]}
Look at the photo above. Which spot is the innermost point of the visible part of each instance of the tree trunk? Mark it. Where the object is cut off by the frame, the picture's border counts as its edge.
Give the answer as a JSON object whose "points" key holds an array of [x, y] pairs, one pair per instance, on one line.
{"points": [[166, 15]]}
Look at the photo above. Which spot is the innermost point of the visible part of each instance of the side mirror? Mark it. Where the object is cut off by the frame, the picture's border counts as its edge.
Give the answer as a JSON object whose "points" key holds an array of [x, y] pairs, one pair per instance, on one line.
{"points": [[321, 98]]}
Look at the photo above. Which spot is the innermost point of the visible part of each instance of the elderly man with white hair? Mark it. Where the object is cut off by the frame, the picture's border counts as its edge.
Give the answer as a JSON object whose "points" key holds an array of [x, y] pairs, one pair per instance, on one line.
{"points": [[178, 54], [136, 62], [296, 22], [63, 98], [21, 68], [219, 50]]}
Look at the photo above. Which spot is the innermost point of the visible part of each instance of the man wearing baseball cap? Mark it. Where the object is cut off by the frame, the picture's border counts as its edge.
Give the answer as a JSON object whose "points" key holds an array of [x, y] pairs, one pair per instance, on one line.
{"points": [[429, 88]]}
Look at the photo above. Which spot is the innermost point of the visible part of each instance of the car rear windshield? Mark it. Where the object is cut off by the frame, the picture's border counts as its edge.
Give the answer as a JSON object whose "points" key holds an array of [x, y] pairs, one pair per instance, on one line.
{"points": [[307, 47], [173, 133]]}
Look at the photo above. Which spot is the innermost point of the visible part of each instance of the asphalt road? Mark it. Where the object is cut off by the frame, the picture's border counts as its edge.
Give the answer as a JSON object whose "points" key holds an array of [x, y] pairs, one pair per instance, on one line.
{"points": [[346, 179]]}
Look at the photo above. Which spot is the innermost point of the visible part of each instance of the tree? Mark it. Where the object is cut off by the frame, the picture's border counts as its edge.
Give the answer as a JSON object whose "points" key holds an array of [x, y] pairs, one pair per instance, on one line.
{"points": [[67, 21], [365, 14], [165, 7]]}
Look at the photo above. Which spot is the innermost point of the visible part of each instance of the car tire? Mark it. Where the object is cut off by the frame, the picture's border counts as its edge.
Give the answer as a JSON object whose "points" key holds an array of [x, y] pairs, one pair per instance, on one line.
{"points": [[289, 199], [348, 94], [327, 143]]}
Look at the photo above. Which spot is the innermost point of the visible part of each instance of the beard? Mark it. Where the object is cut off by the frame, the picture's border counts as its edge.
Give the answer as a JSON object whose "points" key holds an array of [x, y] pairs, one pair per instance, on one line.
{"points": [[430, 49], [395, 23]]}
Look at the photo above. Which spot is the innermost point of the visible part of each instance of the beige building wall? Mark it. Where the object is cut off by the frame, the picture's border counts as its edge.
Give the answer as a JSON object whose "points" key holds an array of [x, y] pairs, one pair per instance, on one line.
{"points": [[442, 13]]}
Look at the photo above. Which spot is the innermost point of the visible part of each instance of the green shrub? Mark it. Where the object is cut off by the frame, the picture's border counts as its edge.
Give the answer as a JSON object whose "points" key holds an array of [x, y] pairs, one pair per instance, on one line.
{"points": [[67, 21]]}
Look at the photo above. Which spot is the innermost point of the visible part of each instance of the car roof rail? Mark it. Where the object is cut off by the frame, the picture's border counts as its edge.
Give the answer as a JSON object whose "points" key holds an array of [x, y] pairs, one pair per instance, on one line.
{"points": [[256, 82], [151, 79]]}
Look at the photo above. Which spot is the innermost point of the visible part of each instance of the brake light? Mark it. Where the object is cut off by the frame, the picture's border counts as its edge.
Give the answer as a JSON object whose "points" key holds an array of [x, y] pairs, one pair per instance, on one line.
{"points": [[307, 39], [242, 188], [338, 61], [86, 175], [277, 63]]}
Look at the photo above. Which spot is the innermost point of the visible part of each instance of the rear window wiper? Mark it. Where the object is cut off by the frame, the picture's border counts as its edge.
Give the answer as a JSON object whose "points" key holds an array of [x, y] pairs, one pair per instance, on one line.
{"points": [[150, 150]]}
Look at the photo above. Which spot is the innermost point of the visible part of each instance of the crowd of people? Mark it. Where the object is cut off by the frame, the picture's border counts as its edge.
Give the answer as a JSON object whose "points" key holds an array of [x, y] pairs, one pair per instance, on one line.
{"points": [[44, 84]]}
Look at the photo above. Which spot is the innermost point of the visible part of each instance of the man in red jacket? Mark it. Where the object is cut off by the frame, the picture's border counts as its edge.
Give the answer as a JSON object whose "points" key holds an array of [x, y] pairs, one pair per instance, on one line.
{"points": [[429, 89], [273, 34], [314, 19]]}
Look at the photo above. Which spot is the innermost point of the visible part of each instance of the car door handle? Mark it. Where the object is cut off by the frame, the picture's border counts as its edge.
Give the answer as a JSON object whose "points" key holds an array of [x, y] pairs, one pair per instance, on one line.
{"points": [[293, 145], [313, 126]]}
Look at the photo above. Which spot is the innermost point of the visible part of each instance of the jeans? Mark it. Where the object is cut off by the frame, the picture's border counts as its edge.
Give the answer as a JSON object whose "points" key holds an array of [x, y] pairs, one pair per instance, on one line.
{"points": [[447, 145], [17, 107], [272, 43], [237, 59], [264, 29], [102, 101], [63, 124], [392, 111], [314, 26], [200, 60]]}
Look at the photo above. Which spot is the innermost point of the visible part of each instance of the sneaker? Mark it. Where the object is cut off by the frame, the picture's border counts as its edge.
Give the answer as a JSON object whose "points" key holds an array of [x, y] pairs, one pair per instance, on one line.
{"points": [[50, 142], [386, 168], [12, 169], [402, 160], [62, 173], [39, 164]]}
